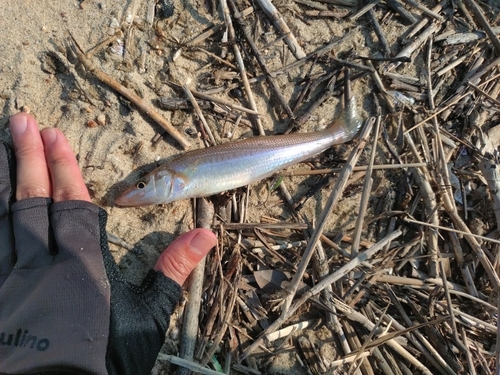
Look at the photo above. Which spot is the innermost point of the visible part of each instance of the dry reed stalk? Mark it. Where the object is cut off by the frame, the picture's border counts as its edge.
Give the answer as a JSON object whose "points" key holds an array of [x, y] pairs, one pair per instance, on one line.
{"points": [[483, 22], [187, 365], [132, 96], [199, 113], [358, 317], [367, 187], [217, 100], [362, 257], [260, 60], [204, 218], [280, 24], [241, 64], [413, 46], [333, 198]]}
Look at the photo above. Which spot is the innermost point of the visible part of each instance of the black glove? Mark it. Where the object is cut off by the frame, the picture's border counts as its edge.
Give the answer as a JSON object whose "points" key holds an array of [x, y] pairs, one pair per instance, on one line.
{"points": [[64, 306]]}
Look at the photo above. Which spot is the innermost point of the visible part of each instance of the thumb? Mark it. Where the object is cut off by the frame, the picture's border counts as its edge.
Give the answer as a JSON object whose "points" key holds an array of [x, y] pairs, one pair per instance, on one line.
{"points": [[182, 255]]}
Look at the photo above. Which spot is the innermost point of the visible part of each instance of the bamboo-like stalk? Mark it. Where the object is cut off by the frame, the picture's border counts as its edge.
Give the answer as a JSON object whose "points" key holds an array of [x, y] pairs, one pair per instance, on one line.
{"points": [[367, 187], [334, 196], [341, 272], [204, 217], [241, 65], [281, 25]]}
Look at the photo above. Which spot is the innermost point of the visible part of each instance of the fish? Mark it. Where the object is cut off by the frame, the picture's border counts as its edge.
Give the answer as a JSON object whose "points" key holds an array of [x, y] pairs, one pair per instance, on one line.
{"points": [[208, 171]]}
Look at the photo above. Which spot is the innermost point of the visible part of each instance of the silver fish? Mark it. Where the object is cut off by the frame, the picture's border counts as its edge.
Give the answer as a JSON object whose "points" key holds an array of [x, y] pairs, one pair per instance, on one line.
{"points": [[212, 170]]}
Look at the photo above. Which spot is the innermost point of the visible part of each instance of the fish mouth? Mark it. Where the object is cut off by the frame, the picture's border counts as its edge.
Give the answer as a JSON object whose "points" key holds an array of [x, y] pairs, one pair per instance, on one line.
{"points": [[121, 200], [124, 201], [131, 198]]}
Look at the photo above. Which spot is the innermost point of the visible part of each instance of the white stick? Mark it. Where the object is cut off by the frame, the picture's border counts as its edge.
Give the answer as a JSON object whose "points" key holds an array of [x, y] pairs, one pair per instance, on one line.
{"points": [[281, 25]]}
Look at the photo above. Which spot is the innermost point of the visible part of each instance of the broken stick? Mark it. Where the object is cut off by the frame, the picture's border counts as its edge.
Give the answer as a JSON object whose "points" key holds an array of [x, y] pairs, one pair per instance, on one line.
{"points": [[132, 96]]}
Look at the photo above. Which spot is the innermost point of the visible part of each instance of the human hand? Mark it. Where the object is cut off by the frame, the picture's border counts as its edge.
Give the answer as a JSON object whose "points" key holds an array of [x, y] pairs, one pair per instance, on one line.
{"points": [[64, 305]]}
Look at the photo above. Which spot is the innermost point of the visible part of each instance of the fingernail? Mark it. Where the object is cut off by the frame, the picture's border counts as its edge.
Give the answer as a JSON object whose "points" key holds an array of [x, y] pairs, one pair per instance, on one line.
{"points": [[18, 124], [49, 136], [202, 243]]}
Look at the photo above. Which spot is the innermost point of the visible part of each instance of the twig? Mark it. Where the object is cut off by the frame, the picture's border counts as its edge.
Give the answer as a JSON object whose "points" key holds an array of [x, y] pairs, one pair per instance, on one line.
{"points": [[378, 82], [215, 99], [420, 341], [357, 168], [410, 48], [272, 83], [320, 262], [471, 365], [401, 10], [349, 358], [314, 55], [462, 38], [347, 3], [241, 65], [118, 241], [332, 199], [314, 104], [424, 21], [311, 4], [473, 76], [464, 268], [356, 316], [284, 332], [338, 14], [133, 97], [204, 217], [341, 272], [205, 35], [363, 10], [481, 19], [463, 232], [281, 25], [423, 9], [484, 93], [187, 365], [199, 113], [367, 187], [458, 97]]}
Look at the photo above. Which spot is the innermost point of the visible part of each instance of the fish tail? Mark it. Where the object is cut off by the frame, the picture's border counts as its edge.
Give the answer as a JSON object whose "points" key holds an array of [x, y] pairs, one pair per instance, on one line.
{"points": [[347, 126]]}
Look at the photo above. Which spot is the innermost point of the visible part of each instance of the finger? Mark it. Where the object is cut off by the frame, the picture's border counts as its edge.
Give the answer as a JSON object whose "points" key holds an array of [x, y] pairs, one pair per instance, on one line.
{"points": [[32, 173], [67, 180], [182, 256]]}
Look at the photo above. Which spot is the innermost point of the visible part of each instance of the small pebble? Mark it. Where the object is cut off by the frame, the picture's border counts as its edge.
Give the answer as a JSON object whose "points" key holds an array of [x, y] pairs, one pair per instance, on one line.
{"points": [[91, 124], [101, 120], [236, 93], [129, 19], [114, 23], [166, 9], [190, 131]]}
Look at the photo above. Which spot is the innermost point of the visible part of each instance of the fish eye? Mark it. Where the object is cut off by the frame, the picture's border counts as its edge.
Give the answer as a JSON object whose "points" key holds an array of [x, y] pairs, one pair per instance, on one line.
{"points": [[140, 185]]}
